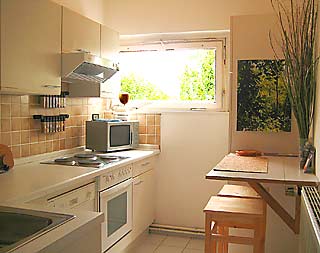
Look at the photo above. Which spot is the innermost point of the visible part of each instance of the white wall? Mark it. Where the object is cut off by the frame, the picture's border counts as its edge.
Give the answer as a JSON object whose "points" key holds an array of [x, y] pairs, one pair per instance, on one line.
{"points": [[150, 16], [191, 144]]}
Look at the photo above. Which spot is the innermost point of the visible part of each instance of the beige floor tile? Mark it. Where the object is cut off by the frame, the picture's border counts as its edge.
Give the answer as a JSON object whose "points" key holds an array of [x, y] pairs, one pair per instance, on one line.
{"points": [[144, 248], [193, 251], [196, 244], [175, 241], [154, 239], [166, 249]]}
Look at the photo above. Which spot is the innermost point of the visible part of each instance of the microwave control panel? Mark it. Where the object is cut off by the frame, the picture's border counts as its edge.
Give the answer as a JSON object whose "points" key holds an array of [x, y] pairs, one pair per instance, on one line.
{"points": [[115, 176]]}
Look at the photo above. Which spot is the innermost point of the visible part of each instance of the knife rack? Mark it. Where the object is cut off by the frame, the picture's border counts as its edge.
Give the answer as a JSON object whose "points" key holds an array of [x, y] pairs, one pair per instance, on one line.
{"points": [[52, 124], [54, 101]]}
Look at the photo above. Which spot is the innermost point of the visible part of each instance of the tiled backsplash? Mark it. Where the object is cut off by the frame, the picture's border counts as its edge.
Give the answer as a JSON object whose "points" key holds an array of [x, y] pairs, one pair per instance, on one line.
{"points": [[149, 128], [22, 133]]}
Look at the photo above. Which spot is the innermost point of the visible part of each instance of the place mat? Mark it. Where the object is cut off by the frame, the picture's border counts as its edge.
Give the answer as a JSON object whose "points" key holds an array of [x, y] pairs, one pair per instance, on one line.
{"points": [[236, 163]]}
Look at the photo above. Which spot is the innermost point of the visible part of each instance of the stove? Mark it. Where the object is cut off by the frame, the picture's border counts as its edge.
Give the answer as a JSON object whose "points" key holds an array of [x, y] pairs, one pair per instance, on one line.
{"points": [[93, 160]]}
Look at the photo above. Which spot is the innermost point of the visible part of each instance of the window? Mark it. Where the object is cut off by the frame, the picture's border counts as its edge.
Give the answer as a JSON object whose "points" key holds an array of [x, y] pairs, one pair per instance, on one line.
{"points": [[181, 75]]}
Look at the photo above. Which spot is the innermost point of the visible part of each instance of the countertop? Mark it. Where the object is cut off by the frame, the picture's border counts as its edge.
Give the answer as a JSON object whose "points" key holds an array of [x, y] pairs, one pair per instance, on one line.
{"points": [[29, 180]]}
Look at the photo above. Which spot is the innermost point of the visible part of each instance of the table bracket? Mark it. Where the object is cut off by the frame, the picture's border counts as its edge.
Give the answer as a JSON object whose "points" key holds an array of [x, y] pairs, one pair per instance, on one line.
{"points": [[293, 223]]}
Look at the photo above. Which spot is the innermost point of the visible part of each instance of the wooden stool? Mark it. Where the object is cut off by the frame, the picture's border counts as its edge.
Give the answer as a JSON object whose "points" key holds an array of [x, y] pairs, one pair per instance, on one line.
{"points": [[222, 213], [238, 191]]}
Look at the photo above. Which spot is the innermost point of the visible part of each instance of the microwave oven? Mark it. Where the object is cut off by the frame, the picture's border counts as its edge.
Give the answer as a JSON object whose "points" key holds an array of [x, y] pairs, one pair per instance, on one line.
{"points": [[108, 136]]}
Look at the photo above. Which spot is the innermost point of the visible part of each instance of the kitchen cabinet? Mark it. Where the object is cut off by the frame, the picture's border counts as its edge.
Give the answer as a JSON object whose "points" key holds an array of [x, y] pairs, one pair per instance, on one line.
{"points": [[109, 43], [79, 33], [143, 199], [30, 47]]}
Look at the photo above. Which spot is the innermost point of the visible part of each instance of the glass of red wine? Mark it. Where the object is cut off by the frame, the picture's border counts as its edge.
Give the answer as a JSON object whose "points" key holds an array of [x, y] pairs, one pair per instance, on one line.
{"points": [[124, 98]]}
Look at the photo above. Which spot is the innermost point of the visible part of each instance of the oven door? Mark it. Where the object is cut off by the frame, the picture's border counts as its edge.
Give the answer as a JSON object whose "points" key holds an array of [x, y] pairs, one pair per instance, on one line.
{"points": [[116, 204]]}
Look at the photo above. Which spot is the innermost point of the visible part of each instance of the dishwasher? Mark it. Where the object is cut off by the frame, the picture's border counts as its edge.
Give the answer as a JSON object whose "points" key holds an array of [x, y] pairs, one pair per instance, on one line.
{"points": [[82, 198]]}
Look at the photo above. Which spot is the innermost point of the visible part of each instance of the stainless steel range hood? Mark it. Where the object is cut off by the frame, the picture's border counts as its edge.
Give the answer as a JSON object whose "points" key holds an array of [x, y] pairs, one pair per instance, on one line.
{"points": [[86, 67]]}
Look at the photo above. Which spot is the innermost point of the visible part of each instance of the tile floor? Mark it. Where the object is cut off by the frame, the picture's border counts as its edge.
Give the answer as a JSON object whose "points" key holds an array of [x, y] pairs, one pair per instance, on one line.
{"points": [[156, 243]]}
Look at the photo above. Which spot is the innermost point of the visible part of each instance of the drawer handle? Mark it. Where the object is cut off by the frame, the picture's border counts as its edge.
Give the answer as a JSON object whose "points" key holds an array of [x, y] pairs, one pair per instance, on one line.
{"points": [[51, 86], [140, 182], [73, 201], [145, 164]]}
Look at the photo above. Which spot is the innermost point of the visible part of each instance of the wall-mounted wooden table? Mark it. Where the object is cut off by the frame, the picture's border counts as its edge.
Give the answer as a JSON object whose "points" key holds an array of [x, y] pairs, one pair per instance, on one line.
{"points": [[281, 170]]}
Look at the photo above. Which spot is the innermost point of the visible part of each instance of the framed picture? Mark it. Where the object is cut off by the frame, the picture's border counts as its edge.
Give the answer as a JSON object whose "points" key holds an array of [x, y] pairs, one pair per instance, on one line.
{"points": [[262, 98]]}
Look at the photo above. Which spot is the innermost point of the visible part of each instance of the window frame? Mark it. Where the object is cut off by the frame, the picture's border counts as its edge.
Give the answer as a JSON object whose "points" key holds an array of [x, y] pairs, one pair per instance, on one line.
{"points": [[218, 44]]}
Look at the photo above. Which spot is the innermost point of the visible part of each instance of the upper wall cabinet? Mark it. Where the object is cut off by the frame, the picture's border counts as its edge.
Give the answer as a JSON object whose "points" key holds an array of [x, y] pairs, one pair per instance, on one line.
{"points": [[79, 33], [30, 47], [109, 43]]}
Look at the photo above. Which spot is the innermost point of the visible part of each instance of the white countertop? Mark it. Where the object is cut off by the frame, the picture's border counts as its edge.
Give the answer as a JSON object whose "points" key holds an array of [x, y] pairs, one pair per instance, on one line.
{"points": [[32, 180], [29, 180]]}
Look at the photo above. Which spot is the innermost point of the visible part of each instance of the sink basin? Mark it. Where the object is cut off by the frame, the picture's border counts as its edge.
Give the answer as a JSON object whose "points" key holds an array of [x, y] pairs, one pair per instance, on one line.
{"points": [[20, 226]]}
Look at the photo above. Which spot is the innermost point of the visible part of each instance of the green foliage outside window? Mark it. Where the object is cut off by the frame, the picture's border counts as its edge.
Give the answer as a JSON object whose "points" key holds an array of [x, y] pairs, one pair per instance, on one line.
{"points": [[197, 82], [140, 89]]}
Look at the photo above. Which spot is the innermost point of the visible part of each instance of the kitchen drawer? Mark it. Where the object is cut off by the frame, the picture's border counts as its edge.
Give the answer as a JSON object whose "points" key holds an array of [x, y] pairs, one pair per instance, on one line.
{"points": [[143, 166], [73, 198]]}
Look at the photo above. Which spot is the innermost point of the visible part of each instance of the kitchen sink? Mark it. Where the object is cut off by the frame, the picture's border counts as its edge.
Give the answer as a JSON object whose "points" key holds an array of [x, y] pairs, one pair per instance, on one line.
{"points": [[20, 226]]}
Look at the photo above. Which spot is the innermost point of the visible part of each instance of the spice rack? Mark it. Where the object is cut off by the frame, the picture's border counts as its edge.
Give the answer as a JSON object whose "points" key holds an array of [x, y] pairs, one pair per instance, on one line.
{"points": [[54, 101], [52, 124]]}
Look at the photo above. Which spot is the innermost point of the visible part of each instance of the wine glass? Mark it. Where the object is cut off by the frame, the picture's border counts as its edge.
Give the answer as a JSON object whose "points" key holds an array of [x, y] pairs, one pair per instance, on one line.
{"points": [[124, 98]]}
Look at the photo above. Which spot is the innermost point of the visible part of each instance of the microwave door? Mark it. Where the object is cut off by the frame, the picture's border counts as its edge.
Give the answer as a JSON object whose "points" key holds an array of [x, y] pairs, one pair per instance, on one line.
{"points": [[120, 137]]}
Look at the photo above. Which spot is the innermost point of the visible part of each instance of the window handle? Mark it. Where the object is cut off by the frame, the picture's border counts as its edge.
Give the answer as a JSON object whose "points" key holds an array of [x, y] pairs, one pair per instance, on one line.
{"points": [[198, 108]]}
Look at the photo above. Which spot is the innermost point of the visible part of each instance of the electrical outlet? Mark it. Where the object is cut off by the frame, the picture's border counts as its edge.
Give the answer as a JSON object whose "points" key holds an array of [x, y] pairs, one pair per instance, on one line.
{"points": [[291, 190]]}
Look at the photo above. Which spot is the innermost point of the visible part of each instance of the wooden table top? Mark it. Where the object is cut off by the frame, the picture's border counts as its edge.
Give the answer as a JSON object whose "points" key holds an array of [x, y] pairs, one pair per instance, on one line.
{"points": [[282, 170]]}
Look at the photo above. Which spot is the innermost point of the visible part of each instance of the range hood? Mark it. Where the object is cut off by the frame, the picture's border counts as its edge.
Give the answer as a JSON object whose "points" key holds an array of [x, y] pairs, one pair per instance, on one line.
{"points": [[86, 67]]}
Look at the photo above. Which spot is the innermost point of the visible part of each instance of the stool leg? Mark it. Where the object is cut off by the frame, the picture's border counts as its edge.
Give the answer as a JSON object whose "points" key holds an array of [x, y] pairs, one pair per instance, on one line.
{"points": [[213, 241], [225, 244], [259, 238], [220, 243], [207, 233]]}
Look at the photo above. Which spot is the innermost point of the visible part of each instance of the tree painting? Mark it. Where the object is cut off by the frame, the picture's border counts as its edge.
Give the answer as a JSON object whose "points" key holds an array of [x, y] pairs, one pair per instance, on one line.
{"points": [[262, 99]]}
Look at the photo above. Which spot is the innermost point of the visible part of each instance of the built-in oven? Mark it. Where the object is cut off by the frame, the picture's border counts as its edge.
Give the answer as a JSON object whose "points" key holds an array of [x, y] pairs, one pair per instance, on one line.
{"points": [[115, 201]]}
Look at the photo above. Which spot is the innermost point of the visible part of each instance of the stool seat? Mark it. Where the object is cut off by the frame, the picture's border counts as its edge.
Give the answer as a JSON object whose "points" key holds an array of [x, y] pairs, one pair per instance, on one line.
{"points": [[239, 191], [234, 206]]}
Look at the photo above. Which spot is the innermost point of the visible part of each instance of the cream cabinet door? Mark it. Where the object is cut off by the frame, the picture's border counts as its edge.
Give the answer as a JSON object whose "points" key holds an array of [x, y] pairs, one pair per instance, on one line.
{"points": [[79, 33], [143, 201], [109, 43], [30, 47]]}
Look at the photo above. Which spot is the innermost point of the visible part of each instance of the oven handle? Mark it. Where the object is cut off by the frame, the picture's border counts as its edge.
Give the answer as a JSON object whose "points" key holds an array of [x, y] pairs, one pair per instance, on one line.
{"points": [[117, 188]]}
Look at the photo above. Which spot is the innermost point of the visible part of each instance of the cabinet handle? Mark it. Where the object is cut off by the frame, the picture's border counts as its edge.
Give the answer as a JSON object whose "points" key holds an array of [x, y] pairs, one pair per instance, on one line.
{"points": [[140, 182], [145, 164], [73, 201], [51, 86]]}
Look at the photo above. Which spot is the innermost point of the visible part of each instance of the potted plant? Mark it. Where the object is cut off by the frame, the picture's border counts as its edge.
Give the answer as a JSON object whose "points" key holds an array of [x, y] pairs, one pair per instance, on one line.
{"points": [[297, 21]]}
